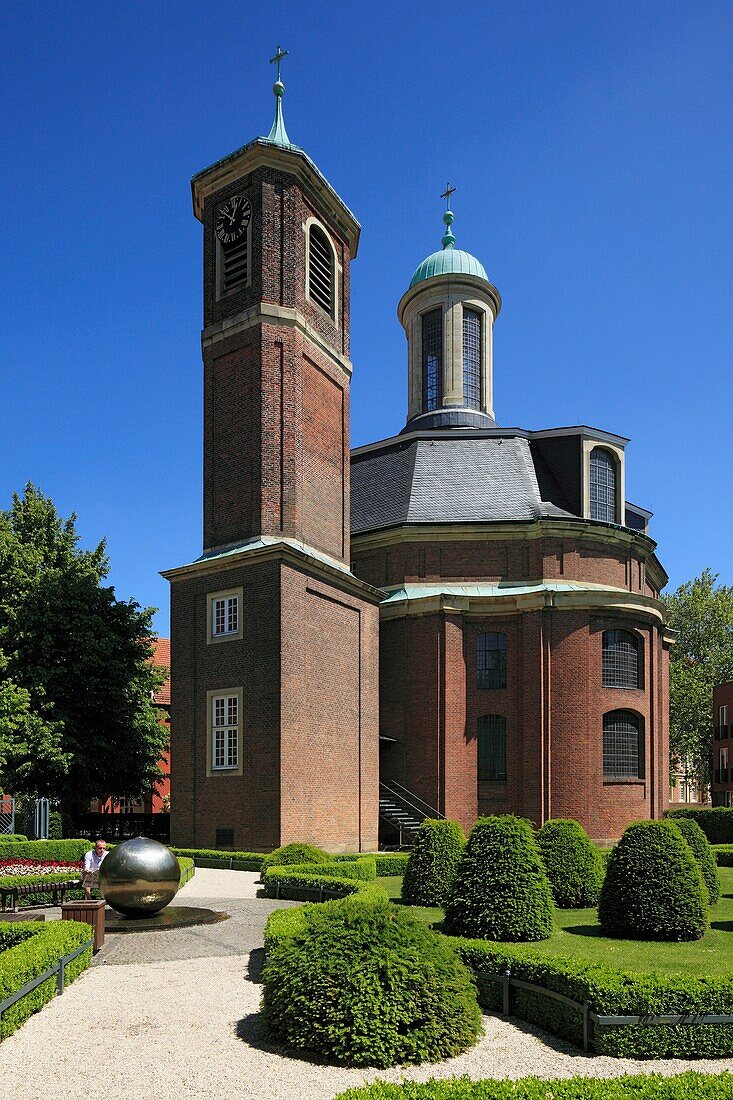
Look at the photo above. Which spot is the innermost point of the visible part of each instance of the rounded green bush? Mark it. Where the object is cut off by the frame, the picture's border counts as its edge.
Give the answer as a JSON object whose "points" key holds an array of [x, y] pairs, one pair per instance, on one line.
{"points": [[295, 853], [574, 865], [653, 889], [369, 985], [433, 863], [501, 890], [703, 853]]}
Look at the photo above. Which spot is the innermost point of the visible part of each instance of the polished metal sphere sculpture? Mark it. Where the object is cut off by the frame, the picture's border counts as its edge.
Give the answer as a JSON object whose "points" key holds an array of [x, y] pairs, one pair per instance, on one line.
{"points": [[139, 877]]}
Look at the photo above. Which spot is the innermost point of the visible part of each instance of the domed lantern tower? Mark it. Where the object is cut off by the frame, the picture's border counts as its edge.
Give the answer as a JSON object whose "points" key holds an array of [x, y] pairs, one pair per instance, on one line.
{"points": [[448, 315]]}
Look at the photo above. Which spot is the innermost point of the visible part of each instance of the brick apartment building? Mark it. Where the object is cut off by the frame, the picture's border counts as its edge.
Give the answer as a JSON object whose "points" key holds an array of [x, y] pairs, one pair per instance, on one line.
{"points": [[467, 613], [722, 785]]}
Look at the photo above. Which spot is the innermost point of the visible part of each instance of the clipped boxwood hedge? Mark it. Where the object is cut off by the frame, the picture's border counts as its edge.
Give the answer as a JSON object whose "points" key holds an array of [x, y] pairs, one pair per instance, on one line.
{"points": [[723, 855], [433, 863], [62, 850], [369, 985], [501, 891], [574, 865], [387, 863], [295, 854], [12, 838], [215, 857], [715, 821], [653, 889], [300, 883], [25, 958], [704, 855], [612, 992], [685, 1086], [188, 869]]}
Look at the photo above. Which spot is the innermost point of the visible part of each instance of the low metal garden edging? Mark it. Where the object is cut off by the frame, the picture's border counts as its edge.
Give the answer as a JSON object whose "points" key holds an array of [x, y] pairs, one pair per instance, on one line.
{"points": [[591, 1018], [58, 970]]}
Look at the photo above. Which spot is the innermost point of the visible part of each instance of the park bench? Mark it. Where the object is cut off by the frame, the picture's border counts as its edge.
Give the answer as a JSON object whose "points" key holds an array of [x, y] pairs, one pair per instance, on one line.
{"points": [[9, 894]]}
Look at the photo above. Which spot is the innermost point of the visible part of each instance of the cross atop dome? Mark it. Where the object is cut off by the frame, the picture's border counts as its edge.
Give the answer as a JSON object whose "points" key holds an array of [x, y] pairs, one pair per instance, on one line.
{"points": [[449, 239]]}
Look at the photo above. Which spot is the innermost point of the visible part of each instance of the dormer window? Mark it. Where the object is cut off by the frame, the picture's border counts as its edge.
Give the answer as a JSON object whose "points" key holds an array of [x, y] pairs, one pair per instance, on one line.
{"points": [[602, 485], [320, 270], [472, 358]]}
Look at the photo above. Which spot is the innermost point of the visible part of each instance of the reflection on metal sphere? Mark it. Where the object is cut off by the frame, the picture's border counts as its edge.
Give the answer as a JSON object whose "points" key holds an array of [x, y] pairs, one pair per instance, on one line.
{"points": [[139, 877]]}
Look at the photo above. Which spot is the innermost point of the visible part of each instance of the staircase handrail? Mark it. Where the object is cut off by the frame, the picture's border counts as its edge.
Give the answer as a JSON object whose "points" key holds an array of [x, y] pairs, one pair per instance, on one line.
{"points": [[409, 799]]}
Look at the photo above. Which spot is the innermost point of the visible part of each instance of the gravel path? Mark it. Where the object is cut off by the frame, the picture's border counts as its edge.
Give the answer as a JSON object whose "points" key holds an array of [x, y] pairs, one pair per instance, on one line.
{"points": [[188, 1026]]}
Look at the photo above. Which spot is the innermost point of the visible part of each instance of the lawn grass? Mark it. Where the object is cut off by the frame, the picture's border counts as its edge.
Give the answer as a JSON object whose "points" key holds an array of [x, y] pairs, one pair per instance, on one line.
{"points": [[580, 937]]}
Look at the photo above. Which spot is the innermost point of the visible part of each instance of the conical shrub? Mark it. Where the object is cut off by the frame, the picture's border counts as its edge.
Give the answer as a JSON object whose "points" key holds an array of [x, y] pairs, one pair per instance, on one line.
{"points": [[653, 889], [574, 865], [501, 890], [433, 863], [703, 853]]}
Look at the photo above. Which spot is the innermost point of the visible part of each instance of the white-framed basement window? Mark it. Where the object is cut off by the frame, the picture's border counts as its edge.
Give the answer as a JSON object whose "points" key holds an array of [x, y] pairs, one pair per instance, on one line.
{"points": [[224, 616], [224, 731]]}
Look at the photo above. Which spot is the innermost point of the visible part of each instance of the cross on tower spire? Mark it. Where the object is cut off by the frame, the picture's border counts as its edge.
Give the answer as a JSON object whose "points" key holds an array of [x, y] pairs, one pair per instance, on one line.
{"points": [[278, 133], [448, 240]]}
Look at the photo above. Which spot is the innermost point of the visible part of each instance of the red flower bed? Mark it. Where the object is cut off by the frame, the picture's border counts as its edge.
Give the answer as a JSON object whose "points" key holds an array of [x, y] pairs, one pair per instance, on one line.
{"points": [[38, 866]]}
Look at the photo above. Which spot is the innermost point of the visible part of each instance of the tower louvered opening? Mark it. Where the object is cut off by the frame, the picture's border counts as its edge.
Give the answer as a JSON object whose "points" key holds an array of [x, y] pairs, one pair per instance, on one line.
{"points": [[234, 264], [320, 270]]}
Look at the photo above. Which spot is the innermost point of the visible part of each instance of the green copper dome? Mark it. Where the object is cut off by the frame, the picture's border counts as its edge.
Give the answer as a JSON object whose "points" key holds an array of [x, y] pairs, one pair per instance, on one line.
{"points": [[449, 261]]}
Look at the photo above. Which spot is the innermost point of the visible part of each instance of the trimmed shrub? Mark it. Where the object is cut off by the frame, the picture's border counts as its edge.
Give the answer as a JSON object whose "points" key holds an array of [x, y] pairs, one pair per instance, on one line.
{"points": [[295, 853], [501, 890], [61, 850], [214, 857], [701, 1086], [433, 863], [188, 870], [612, 992], [653, 889], [41, 946], [704, 855], [574, 865], [723, 855], [12, 838], [715, 821], [387, 863], [55, 825], [302, 884], [369, 985]]}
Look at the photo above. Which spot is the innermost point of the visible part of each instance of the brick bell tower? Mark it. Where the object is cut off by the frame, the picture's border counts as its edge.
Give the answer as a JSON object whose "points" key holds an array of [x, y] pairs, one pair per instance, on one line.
{"points": [[274, 663]]}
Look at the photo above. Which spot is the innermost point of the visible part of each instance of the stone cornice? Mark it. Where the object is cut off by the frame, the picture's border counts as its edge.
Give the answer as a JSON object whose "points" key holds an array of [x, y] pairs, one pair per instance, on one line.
{"points": [[270, 548], [267, 313], [478, 599], [290, 159]]}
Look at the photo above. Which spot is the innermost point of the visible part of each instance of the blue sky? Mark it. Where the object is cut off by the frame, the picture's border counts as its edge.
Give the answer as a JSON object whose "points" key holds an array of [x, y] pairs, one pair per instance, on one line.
{"points": [[590, 144]]}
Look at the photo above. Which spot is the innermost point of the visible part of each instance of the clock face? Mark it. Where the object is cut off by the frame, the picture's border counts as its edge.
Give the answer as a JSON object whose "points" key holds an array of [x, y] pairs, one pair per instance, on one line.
{"points": [[232, 219]]}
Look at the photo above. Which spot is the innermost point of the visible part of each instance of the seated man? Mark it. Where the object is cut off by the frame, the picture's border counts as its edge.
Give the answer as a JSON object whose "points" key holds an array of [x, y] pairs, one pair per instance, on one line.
{"points": [[92, 862]]}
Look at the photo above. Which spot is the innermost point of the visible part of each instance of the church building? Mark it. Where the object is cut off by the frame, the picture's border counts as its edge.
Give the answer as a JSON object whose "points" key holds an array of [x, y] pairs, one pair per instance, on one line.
{"points": [[460, 620]]}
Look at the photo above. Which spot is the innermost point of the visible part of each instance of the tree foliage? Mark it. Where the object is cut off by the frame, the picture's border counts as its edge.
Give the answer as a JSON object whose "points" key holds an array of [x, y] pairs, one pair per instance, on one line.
{"points": [[77, 720], [702, 614]]}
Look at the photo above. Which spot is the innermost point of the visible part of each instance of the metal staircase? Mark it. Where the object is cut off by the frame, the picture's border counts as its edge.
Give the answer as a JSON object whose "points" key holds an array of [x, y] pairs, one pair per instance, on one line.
{"points": [[403, 811]]}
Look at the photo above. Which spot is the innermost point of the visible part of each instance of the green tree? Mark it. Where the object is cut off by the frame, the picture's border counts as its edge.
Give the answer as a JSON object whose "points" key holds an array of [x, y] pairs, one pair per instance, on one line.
{"points": [[702, 615], [77, 720]]}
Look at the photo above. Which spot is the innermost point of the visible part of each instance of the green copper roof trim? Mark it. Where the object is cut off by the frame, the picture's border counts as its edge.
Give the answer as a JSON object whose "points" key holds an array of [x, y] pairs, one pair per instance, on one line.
{"points": [[278, 133], [449, 261]]}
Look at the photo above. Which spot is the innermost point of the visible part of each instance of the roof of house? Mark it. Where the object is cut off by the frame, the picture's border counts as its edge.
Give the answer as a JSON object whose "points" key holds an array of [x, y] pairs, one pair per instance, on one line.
{"points": [[162, 658], [446, 479]]}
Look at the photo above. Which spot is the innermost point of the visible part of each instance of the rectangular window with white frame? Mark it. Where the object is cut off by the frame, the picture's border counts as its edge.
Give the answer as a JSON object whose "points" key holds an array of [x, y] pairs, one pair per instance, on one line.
{"points": [[722, 716], [224, 615], [224, 728]]}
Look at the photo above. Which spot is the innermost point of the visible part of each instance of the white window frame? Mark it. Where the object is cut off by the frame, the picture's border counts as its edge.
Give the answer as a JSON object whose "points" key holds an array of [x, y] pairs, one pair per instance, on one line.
{"points": [[215, 598], [219, 703], [723, 715]]}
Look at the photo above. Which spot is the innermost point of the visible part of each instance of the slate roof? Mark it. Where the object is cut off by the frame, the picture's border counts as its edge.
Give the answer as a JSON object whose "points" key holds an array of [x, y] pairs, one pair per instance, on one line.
{"points": [[447, 480]]}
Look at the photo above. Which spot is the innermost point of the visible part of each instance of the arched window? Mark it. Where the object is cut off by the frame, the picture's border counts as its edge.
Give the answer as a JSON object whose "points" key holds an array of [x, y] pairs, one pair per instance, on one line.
{"points": [[320, 269], [491, 661], [621, 664], [432, 360], [491, 745], [623, 745], [472, 358], [602, 486]]}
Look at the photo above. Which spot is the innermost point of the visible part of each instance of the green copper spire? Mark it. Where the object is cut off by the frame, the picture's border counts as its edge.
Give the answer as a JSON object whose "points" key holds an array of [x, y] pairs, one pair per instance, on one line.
{"points": [[278, 133], [448, 240]]}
